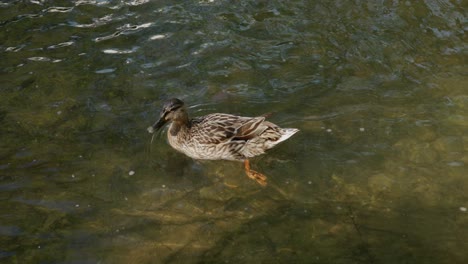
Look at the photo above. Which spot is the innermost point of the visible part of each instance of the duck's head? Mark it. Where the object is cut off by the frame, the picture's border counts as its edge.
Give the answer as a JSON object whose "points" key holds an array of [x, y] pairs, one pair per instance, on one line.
{"points": [[173, 110]]}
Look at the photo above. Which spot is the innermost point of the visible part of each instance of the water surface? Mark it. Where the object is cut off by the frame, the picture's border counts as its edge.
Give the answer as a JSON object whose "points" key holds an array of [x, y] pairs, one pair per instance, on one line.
{"points": [[376, 175]]}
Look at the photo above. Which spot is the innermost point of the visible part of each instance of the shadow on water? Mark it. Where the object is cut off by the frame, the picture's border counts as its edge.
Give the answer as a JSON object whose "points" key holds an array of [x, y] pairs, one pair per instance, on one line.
{"points": [[376, 175]]}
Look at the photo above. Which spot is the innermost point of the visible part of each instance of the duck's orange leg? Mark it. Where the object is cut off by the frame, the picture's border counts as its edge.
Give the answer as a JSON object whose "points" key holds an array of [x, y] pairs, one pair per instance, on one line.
{"points": [[254, 175]]}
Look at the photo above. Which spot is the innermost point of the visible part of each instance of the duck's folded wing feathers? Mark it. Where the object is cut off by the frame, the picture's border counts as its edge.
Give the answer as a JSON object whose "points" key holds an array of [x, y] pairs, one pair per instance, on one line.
{"points": [[250, 129], [218, 128]]}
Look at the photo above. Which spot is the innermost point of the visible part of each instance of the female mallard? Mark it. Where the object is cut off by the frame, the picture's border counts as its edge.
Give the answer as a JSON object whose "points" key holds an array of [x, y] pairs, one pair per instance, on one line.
{"points": [[220, 136]]}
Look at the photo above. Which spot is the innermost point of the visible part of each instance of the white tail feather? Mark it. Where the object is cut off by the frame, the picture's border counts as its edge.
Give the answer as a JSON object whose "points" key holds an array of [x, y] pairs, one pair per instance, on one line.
{"points": [[287, 133]]}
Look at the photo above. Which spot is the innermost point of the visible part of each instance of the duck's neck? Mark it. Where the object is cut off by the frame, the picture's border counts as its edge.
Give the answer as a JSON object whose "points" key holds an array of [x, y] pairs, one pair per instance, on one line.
{"points": [[178, 126], [180, 123]]}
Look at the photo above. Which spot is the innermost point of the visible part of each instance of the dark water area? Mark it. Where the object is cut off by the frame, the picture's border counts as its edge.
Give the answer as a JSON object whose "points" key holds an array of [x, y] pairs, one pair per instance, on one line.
{"points": [[377, 173]]}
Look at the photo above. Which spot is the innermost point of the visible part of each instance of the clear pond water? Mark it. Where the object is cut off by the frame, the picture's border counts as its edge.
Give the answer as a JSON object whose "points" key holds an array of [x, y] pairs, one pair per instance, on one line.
{"points": [[377, 174]]}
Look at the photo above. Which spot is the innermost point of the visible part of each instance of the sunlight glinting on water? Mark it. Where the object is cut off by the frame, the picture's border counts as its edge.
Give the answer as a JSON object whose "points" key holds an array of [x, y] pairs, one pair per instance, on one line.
{"points": [[376, 174]]}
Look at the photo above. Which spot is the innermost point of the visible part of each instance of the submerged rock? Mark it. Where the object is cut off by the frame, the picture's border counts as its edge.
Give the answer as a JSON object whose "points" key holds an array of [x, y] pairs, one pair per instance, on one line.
{"points": [[457, 120], [465, 143], [417, 152], [461, 102], [379, 182], [449, 144], [217, 192]]}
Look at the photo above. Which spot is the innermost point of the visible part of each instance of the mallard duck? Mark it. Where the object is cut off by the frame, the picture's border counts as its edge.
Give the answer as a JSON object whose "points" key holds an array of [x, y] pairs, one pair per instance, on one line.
{"points": [[220, 136]]}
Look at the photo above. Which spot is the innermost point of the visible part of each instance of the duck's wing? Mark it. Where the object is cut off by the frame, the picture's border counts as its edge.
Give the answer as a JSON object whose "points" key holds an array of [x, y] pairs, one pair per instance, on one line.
{"points": [[221, 128], [250, 129]]}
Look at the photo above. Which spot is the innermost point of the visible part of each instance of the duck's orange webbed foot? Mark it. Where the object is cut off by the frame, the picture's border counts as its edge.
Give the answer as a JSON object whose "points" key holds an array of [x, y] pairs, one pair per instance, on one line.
{"points": [[255, 175]]}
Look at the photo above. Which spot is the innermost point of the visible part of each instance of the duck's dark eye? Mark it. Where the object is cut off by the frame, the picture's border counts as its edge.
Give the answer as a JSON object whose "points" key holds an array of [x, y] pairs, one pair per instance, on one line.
{"points": [[173, 108]]}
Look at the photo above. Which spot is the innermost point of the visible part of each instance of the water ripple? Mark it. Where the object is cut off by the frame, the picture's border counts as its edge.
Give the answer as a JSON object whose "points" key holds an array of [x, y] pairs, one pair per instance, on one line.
{"points": [[129, 27], [44, 59], [159, 36], [15, 49], [55, 9], [91, 2], [58, 9], [97, 22], [126, 29], [137, 2], [104, 71], [106, 2], [39, 59], [119, 51], [60, 45], [5, 4], [113, 35]]}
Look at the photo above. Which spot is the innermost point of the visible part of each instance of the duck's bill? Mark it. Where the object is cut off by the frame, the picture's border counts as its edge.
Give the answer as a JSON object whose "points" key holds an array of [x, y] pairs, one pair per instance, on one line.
{"points": [[156, 126]]}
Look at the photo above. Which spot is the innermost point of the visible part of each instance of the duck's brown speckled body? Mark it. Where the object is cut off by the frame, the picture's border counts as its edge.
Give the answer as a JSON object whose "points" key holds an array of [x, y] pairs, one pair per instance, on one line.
{"points": [[220, 136]]}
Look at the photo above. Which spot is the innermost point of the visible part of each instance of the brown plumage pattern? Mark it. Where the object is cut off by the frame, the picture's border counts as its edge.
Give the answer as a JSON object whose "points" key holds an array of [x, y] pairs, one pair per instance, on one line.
{"points": [[220, 136]]}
